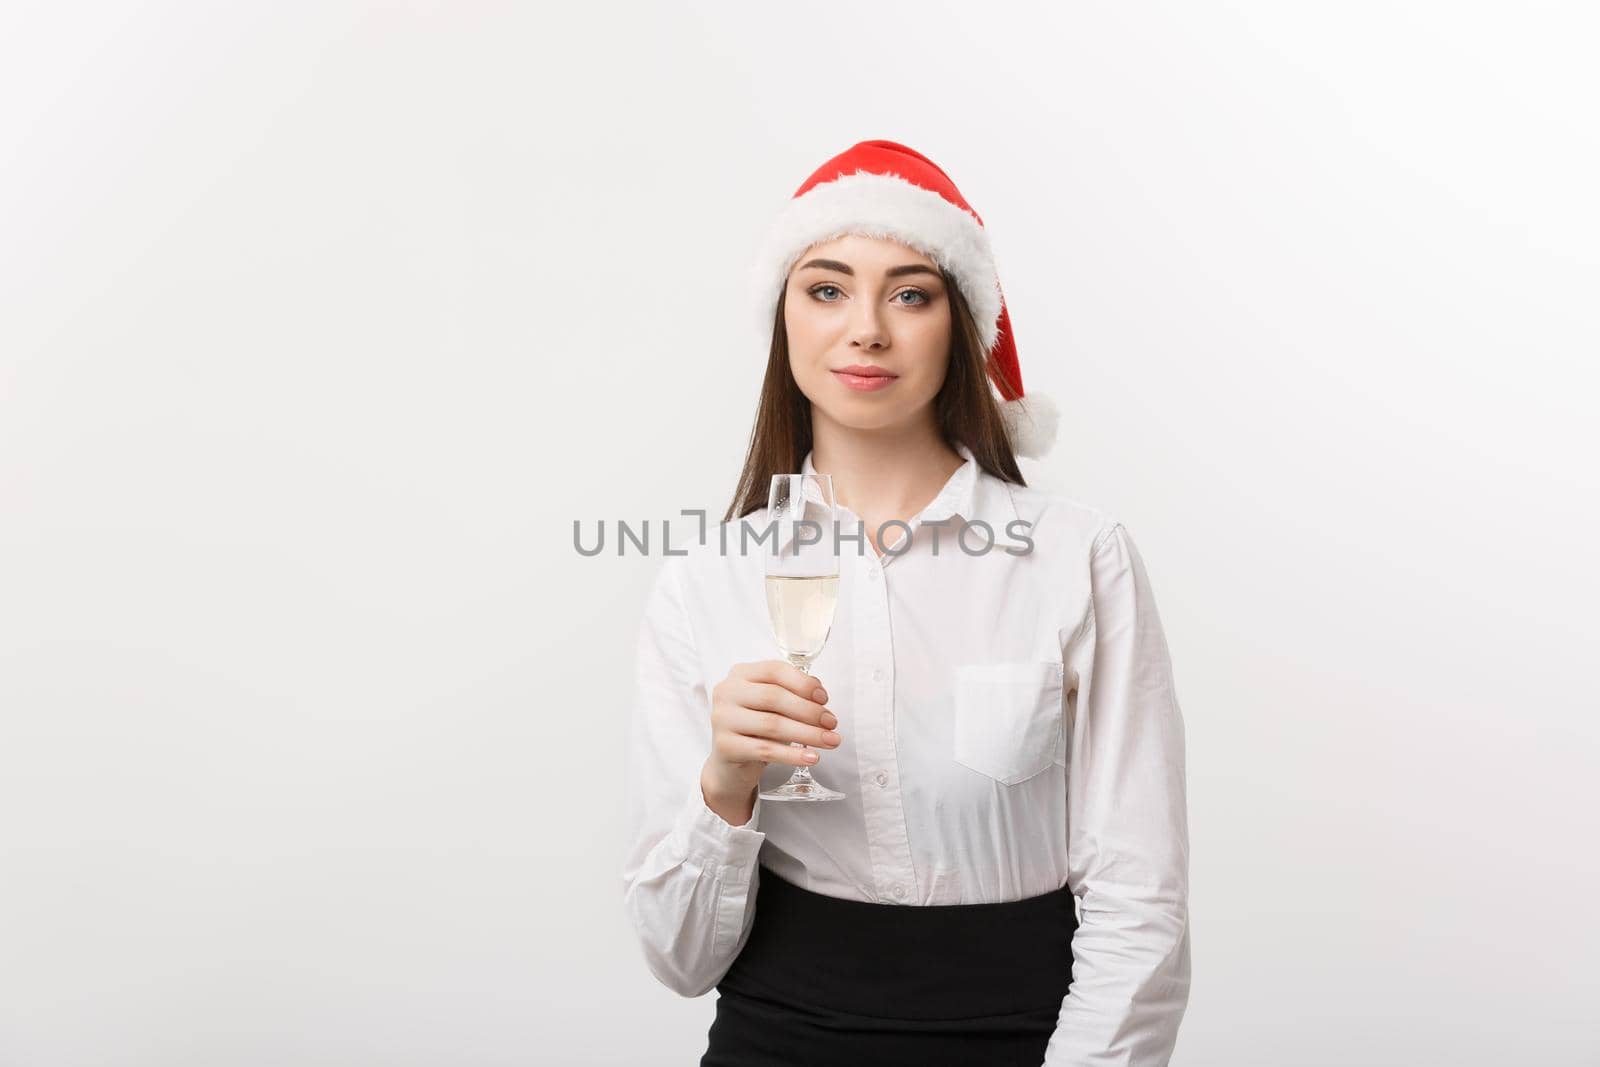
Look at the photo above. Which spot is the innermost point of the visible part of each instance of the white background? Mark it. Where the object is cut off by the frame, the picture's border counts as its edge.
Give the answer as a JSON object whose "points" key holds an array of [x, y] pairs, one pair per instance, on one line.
{"points": [[320, 324]]}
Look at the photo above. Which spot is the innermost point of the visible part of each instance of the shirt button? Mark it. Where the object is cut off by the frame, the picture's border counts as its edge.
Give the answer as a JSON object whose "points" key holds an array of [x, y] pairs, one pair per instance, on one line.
{"points": [[872, 574], [877, 674], [881, 778], [898, 891]]}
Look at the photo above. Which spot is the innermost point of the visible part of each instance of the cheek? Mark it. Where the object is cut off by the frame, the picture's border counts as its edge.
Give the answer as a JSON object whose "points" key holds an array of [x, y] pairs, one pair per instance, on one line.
{"points": [[929, 340], [810, 334], [803, 317]]}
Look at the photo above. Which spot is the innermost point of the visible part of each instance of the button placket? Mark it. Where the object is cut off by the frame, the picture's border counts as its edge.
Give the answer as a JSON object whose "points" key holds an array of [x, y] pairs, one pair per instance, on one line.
{"points": [[888, 846]]}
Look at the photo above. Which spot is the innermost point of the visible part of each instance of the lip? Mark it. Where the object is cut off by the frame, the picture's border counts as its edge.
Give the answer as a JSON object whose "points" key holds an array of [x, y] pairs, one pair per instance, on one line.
{"points": [[864, 379]]}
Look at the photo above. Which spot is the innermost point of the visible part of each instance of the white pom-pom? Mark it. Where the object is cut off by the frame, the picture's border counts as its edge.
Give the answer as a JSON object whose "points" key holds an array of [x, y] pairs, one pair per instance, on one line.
{"points": [[1031, 424]]}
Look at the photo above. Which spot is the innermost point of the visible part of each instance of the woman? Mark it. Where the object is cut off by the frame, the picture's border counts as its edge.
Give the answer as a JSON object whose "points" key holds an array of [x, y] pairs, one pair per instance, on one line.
{"points": [[1003, 722]]}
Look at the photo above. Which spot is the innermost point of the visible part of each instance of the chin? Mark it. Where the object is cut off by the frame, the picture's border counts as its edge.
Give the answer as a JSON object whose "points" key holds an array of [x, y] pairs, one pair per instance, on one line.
{"points": [[871, 420]]}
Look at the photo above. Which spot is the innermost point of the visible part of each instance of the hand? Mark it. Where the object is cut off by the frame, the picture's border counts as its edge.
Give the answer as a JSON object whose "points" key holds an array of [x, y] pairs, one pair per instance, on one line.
{"points": [[755, 712]]}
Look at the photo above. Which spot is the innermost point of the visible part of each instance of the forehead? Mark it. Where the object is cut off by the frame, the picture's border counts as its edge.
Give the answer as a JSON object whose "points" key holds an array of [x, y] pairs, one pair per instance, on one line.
{"points": [[859, 249]]}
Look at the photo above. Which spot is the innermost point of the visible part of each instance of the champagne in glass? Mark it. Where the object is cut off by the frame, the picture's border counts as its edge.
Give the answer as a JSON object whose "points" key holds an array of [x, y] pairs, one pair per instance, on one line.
{"points": [[801, 609], [802, 578]]}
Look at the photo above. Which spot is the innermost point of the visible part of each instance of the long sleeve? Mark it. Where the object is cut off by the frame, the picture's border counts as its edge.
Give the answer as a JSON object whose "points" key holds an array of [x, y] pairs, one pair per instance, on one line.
{"points": [[689, 878], [1128, 844]]}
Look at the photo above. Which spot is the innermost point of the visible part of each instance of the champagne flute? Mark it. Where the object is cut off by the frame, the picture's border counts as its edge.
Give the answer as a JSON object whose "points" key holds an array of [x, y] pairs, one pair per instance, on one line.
{"points": [[802, 578]]}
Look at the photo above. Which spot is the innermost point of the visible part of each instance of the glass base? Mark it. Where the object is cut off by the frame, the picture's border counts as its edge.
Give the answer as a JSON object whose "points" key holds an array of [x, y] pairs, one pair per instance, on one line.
{"points": [[801, 786]]}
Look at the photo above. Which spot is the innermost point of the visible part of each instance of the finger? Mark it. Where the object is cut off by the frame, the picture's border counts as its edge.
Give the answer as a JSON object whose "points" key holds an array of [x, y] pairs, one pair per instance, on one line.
{"points": [[767, 751], [776, 727], [766, 696], [792, 678]]}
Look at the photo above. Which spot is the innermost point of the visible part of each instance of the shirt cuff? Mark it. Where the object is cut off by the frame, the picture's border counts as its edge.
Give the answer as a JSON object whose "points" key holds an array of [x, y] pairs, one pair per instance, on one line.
{"points": [[708, 837]]}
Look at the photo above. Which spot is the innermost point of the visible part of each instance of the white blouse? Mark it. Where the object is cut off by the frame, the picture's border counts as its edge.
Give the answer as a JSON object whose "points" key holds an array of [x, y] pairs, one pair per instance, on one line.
{"points": [[1009, 726]]}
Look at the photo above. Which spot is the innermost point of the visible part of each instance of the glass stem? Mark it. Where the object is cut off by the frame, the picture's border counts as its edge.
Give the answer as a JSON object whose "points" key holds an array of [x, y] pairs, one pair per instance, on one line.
{"points": [[802, 773]]}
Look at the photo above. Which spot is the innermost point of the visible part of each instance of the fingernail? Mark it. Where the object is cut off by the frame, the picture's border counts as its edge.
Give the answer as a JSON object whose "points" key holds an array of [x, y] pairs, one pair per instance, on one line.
{"points": [[830, 737], [810, 757], [829, 719], [820, 696]]}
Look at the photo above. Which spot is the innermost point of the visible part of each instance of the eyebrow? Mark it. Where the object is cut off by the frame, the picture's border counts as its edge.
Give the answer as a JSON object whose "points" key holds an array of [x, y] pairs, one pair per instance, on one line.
{"points": [[892, 272]]}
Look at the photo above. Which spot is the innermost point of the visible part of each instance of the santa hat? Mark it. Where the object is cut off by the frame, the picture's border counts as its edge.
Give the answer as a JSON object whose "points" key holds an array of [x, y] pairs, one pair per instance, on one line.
{"points": [[884, 189]]}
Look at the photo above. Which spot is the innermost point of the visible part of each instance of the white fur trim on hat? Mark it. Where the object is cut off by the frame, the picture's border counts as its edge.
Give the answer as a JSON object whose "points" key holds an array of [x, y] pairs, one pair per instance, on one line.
{"points": [[1031, 422], [882, 205]]}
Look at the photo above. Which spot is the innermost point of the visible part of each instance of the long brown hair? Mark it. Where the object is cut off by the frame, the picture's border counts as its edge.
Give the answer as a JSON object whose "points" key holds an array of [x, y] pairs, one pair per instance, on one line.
{"points": [[965, 409]]}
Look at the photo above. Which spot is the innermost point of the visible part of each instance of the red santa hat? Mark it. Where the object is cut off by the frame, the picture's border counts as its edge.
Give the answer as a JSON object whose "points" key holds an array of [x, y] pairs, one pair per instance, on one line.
{"points": [[884, 189]]}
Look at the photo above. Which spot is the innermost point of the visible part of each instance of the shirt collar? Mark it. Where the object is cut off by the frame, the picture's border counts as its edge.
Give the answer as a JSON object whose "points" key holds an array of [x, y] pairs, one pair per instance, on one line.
{"points": [[971, 493]]}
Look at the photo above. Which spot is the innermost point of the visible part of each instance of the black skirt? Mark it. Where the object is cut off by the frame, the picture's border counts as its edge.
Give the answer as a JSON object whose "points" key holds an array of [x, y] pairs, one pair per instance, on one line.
{"points": [[842, 983]]}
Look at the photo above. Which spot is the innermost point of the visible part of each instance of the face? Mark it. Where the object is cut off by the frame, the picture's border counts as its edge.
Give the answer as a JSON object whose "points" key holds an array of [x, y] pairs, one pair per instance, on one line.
{"points": [[868, 324]]}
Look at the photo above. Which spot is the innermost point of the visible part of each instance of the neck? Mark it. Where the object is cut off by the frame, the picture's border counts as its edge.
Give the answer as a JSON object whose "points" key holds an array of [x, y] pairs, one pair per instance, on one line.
{"points": [[882, 474]]}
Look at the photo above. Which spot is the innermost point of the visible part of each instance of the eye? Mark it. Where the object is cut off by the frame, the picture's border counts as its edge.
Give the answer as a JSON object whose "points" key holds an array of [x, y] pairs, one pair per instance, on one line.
{"points": [[816, 289], [922, 297]]}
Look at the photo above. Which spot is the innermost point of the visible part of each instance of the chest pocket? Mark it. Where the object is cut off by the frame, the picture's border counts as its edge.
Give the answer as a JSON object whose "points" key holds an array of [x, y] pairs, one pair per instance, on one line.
{"points": [[1008, 717]]}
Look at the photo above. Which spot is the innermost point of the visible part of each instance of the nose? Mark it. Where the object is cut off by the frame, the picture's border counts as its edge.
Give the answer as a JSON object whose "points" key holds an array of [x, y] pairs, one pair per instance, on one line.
{"points": [[866, 328]]}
